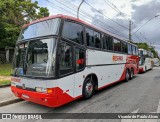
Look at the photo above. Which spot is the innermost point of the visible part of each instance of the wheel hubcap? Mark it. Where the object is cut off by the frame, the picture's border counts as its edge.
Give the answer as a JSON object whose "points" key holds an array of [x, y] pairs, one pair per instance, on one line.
{"points": [[89, 88], [127, 75]]}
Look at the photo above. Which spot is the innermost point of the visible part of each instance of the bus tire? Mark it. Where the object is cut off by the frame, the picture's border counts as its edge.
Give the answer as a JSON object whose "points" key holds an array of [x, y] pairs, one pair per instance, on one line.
{"points": [[127, 75], [145, 69], [88, 88], [131, 73]]}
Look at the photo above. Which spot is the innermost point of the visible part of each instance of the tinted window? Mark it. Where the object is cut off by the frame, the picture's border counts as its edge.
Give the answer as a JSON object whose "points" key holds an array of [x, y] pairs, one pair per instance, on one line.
{"points": [[110, 43], [105, 41], [73, 31], [97, 39], [66, 58], [124, 47], [43, 28], [117, 45], [90, 37], [136, 50], [133, 50], [80, 58], [129, 49]]}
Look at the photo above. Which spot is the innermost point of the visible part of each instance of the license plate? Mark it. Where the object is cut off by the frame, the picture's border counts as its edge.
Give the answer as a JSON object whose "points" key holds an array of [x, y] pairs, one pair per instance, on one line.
{"points": [[25, 96]]}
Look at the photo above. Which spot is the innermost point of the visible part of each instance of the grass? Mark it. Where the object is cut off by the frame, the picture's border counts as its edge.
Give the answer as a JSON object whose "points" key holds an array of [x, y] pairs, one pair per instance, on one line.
{"points": [[5, 82], [5, 69]]}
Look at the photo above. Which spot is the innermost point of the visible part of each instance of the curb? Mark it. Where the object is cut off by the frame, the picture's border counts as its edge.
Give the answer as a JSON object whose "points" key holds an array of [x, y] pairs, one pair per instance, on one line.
{"points": [[10, 102], [2, 86]]}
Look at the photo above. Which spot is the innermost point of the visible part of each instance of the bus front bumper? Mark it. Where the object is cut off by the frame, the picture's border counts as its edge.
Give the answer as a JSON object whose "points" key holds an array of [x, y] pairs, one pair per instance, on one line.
{"points": [[55, 99]]}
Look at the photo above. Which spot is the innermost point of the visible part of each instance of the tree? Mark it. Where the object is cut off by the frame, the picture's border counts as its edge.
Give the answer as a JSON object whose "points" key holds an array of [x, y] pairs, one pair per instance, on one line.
{"points": [[14, 14], [143, 46], [155, 53]]}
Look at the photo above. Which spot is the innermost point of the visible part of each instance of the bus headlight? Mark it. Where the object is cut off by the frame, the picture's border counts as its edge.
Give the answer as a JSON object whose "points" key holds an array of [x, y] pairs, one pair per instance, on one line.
{"points": [[44, 90], [40, 89]]}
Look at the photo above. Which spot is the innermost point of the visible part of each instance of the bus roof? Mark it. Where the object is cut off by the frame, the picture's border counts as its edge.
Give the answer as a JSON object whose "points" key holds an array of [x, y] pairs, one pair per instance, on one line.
{"points": [[78, 20]]}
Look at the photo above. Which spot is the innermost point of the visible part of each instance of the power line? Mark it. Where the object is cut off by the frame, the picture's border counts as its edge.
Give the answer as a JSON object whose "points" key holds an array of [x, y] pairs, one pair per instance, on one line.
{"points": [[138, 38], [115, 8], [145, 24], [89, 16], [146, 39], [61, 7], [105, 15], [85, 16]]}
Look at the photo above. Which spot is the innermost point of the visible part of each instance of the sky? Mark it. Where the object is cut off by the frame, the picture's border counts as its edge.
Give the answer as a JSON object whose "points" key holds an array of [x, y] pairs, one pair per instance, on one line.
{"points": [[114, 16]]}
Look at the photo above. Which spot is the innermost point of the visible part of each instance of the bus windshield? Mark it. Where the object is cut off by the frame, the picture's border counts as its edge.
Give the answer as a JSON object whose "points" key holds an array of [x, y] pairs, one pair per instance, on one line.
{"points": [[43, 28], [35, 58]]}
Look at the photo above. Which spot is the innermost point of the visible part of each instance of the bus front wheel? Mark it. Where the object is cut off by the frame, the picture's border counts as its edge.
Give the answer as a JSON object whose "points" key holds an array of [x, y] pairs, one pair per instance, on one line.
{"points": [[88, 88]]}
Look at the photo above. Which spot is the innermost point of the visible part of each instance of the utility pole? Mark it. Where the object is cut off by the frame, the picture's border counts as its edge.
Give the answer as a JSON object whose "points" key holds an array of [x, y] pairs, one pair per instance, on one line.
{"points": [[130, 22], [79, 8]]}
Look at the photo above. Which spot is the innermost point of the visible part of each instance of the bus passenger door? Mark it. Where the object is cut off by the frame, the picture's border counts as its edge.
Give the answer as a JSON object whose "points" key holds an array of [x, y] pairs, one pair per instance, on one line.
{"points": [[79, 70], [66, 66]]}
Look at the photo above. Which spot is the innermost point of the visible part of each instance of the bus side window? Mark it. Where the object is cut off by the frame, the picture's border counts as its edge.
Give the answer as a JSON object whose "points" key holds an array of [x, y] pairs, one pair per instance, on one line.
{"points": [[90, 37], [104, 41], [110, 43], [137, 53], [97, 39], [66, 58], [124, 47], [73, 31], [117, 45], [129, 49], [80, 59], [133, 50], [107, 42]]}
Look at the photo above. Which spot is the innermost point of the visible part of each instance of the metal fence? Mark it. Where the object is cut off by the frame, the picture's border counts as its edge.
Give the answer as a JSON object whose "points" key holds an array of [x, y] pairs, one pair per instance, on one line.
{"points": [[2, 57], [6, 56]]}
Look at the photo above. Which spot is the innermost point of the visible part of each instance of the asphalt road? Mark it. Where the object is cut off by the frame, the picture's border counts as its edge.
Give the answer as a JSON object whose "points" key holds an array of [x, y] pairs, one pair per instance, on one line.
{"points": [[141, 94]]}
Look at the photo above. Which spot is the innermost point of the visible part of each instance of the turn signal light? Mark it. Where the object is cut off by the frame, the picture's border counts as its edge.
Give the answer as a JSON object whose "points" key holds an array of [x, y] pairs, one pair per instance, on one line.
{"points": [[49, 90]]}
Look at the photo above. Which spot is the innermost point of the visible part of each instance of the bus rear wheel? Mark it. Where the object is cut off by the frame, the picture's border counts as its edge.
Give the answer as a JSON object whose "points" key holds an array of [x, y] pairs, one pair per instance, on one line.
{"points": [[131, 73], [127, 75], [88, 88]]}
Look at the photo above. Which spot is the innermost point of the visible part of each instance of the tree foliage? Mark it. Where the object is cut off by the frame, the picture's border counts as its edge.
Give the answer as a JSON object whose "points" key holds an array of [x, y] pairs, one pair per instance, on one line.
{"points": [[14, 14]]}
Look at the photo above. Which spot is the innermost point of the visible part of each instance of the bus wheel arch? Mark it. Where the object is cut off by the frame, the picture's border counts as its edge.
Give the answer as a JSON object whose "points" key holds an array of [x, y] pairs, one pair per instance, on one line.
{"points": [[94, 81], [132, 72]]}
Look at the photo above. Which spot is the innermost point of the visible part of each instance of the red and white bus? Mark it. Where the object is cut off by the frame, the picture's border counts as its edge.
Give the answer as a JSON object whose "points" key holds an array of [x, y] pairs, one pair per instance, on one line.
{"points": [[59, 59], [146, 60]]}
